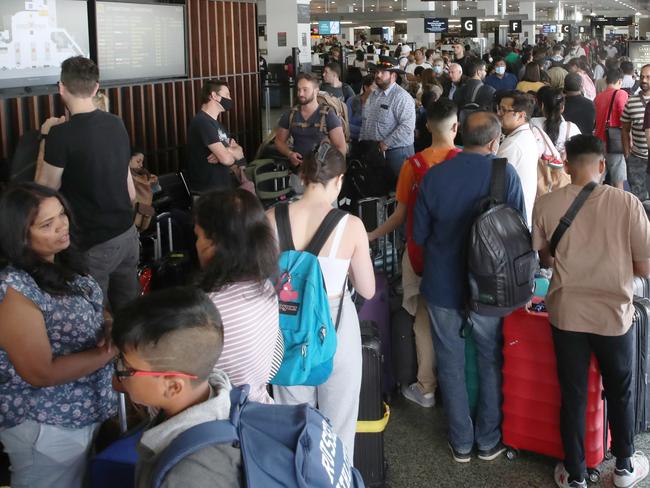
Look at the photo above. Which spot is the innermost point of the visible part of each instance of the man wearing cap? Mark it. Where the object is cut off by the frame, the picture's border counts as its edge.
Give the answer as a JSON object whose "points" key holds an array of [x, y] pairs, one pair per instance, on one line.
{"points": [[389, 116]]}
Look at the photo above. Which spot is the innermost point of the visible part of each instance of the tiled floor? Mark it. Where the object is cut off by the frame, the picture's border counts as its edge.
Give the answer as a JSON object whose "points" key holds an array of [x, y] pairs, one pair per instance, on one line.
{"points": [[418, 457]]}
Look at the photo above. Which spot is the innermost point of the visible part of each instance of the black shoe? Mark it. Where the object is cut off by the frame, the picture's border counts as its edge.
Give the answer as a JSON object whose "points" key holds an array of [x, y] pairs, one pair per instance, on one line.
{"points": [[491, 454], [459, 457]]}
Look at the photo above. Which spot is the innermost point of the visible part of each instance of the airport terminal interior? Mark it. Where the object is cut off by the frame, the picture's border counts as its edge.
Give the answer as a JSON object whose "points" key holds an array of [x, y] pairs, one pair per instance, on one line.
{"points": [[243, 101]]}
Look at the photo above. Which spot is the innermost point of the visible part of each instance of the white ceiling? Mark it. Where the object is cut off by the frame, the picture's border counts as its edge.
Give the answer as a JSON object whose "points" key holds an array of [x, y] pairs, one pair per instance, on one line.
{"points": [[602, 7]]}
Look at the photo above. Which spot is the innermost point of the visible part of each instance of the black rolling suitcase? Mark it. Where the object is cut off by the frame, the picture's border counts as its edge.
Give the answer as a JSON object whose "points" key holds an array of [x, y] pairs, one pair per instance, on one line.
{"points": [[642, 353], [373, 413], [404, 356]]}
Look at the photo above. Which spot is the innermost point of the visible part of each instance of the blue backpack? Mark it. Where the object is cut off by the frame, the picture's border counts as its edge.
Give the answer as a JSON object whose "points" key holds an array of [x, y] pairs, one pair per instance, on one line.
{"points": [[282, 446], [305, 318]]}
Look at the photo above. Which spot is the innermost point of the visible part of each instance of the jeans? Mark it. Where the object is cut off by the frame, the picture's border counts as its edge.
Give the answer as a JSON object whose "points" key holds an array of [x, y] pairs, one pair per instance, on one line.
{"points": [[395, 157], [615, 357], [449, 347], [114, 264], [44, 456], [636, 176]]}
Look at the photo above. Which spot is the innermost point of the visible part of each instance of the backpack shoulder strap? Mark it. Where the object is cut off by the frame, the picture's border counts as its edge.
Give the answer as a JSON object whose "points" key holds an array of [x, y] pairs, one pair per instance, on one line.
{"points": [[283, 226], [324, 110], [324, 230], [419, 166], [292, 115], [192, 440], [570, 215], [475, 93], [498, 180]]}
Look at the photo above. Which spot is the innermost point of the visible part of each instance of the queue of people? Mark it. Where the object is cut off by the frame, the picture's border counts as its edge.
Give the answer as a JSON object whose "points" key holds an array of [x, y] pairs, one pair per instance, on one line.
{"points": [[71, 318]]}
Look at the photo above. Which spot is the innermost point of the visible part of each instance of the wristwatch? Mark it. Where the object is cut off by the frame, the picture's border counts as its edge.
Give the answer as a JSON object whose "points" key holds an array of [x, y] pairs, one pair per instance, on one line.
{"points": [[41, 136]]}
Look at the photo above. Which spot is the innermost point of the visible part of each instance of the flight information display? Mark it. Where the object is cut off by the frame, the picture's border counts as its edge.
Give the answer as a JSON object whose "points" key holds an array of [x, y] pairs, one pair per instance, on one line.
{"points": [[36, 36], [140, 41]]}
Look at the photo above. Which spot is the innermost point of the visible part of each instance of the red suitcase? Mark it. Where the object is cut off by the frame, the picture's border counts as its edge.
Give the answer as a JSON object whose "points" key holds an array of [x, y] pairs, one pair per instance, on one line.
{"points": [[531, 394]]}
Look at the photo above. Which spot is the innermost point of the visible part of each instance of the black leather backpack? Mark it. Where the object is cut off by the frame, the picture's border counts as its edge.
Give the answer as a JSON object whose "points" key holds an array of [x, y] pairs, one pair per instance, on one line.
{"points": [[501, 262]]}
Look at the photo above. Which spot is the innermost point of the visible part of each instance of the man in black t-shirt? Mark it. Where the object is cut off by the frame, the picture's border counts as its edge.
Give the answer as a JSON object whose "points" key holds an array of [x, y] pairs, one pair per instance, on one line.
{"points": [[211, 150], [87, 158], [578, 108]]}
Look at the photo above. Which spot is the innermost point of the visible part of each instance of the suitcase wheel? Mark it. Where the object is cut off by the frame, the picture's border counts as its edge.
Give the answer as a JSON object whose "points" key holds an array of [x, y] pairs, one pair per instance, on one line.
{"points": [[594, 475], [512, 453]]}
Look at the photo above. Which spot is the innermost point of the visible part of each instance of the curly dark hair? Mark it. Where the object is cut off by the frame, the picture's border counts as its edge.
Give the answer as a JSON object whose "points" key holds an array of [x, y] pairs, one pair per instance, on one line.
{"points": [[18, 209]]}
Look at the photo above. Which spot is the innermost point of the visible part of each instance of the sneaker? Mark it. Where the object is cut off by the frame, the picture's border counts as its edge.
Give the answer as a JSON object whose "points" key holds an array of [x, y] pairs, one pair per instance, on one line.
{"points": [[624, 479], [491, 454], [562, 478], [459, 457], [413, 393]]}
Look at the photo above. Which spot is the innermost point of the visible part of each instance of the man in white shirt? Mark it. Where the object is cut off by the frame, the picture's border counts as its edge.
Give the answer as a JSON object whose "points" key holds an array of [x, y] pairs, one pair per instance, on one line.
{"points": [[419, 61], [575, 52], [404, 56], [520, 146]]}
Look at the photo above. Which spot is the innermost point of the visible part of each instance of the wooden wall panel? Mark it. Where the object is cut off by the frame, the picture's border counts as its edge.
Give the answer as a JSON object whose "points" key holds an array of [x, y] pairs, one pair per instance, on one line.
{"points": [[222, 43]]}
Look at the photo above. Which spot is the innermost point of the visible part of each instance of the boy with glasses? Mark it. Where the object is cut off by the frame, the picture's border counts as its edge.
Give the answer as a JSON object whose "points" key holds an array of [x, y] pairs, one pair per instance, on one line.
{"points": [[169, 342]]}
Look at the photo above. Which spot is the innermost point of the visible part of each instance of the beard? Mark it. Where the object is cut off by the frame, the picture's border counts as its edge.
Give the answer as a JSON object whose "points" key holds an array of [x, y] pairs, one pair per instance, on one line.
{"points": [[305, 100], [644, 87], [382, 84]]}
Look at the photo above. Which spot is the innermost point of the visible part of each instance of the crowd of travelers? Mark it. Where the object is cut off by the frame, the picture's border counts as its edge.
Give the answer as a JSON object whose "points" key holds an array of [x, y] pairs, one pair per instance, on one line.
{"points": [[71, 318]]}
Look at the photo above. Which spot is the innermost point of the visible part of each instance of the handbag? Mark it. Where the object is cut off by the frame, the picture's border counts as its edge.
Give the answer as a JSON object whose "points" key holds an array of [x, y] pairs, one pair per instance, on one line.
{"points": [[550, 170], [613, 137]]}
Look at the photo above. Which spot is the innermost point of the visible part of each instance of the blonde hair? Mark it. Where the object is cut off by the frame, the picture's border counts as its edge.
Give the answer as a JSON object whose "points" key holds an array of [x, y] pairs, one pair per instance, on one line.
{"points": [[100, 101]]}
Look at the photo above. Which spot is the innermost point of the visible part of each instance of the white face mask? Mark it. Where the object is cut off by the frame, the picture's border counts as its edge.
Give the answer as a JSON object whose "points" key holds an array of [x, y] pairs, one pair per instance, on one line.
{"points": [[500, 70], [437, 69]]}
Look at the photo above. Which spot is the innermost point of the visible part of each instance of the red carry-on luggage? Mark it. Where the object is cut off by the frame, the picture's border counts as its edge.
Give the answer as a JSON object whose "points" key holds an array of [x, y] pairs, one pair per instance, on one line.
{"points": [[532, 398]]}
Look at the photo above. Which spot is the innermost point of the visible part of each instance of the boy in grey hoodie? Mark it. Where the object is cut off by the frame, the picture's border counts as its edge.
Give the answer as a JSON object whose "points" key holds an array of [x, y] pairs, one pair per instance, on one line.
{"points": [[169, 342]]}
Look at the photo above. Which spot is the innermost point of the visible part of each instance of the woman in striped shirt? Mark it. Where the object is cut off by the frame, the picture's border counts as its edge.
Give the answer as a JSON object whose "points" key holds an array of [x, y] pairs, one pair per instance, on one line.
{"points": [[238, 253]]}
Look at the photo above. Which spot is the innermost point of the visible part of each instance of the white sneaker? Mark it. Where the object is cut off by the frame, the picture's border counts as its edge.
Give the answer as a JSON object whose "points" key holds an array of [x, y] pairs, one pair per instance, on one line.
{"points": [[413, 393], [640, 467], [561, 477]]}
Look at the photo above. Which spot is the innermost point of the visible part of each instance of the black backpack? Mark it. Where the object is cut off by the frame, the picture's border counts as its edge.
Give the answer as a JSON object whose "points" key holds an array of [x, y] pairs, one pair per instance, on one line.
{"points": [[501, 263]]}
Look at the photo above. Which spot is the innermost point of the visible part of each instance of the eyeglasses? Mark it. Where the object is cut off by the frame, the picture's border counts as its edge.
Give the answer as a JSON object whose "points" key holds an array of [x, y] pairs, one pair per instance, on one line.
{"points": [[129, 372], [501, 110]]}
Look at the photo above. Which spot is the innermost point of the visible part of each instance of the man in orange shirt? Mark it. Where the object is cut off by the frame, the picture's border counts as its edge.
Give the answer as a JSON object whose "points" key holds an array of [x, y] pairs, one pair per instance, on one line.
{"points": [[442, 122]]}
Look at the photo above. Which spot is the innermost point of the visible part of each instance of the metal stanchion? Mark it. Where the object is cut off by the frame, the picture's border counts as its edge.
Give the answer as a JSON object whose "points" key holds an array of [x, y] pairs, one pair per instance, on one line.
{"points": [[291, 87], [267, 106]]}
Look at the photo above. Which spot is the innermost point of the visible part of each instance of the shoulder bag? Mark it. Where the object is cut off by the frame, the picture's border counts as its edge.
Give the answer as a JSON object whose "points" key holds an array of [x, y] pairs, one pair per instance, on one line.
{"points": [[613, 138]]}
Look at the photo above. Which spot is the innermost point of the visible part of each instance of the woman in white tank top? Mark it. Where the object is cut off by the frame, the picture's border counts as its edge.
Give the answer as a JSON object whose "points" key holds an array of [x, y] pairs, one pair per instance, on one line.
{"points": [[345, 254]]}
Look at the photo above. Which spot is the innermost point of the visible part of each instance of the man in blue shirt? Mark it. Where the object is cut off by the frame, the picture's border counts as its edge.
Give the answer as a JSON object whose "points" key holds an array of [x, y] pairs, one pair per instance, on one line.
{"points": [[444, 213], [500, 80]]}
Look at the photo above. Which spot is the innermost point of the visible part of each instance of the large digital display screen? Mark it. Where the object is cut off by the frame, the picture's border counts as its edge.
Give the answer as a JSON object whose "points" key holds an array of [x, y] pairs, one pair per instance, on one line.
{"points": [[140, 41], [36, 36], [329, 27], [436, 25]]}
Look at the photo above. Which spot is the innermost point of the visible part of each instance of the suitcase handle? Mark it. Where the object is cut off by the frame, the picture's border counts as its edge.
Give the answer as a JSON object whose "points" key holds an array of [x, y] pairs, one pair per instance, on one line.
{"points": [[374, 426]]}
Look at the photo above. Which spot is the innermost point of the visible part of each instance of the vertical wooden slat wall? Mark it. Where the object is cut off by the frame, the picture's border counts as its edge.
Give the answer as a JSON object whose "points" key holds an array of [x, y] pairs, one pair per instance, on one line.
{"points": [[222, 43]]}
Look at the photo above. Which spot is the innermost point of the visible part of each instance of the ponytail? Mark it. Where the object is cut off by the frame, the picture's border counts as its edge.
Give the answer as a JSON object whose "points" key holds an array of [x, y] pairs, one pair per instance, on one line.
{"points": [[323, 164], [553, 101]]}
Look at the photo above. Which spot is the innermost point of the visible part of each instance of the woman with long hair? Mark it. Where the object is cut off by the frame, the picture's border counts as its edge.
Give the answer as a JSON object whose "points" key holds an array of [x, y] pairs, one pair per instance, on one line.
{"points": [[532, 80], [238, 255], [55, 372], [552, 123], [344, 255]]}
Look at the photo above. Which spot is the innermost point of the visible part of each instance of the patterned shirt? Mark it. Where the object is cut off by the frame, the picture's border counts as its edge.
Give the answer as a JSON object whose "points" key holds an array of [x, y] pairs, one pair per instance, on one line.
{"points": [[73, 324], [633, 114], [389, 116]]}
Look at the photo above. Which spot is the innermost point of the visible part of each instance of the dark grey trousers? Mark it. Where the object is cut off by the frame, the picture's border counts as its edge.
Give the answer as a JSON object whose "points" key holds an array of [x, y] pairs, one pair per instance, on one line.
{"points": [[114, 264]]}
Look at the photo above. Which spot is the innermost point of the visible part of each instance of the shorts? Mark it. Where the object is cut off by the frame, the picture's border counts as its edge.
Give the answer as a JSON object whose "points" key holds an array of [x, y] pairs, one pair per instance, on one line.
{"points": [[616, 167]]}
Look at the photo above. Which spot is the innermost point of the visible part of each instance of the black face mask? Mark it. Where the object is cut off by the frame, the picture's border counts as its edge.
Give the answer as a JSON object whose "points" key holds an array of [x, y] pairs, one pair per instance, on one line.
{"points": [[226, 103]]}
